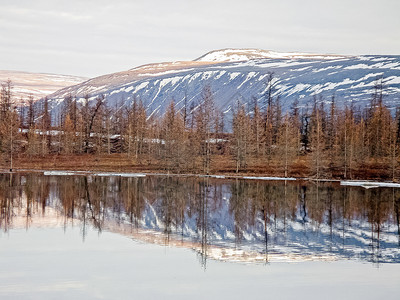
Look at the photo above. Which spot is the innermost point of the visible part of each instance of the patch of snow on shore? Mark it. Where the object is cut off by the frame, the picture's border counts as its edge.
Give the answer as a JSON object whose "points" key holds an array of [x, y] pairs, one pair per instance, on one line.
{"points": [[268, 178], [369, 184], [85, 173]]}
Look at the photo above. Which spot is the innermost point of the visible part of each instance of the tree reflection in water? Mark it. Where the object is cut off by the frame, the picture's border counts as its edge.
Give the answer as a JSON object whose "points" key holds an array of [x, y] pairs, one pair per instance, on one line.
{"points": [[215, 216]]}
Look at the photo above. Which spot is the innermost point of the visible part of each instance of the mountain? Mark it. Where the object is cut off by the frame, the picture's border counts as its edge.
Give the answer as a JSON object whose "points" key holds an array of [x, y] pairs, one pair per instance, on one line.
{"points": [[231, 55], [241, 75], [38, 85]]}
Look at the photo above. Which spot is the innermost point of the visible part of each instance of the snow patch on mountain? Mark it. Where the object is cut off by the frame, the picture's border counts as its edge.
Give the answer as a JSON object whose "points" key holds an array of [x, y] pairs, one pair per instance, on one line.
{"points": [[234, 55]]}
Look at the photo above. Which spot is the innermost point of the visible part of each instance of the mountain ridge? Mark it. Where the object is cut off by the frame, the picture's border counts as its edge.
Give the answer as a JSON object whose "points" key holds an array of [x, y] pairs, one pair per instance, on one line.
{"points": [[232, 54], [348, 78]]}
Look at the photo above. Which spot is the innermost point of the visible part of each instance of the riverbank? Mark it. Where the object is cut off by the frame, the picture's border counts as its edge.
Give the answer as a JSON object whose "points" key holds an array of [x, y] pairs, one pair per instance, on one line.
{"points": [[221, 166]]}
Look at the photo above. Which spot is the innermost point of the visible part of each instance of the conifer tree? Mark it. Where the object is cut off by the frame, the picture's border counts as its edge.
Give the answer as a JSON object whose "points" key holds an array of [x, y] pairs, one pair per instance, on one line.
{"points": [[256, 131], [45, 126], [205, 127], [287, 143], [241, 137], [317, 139]]}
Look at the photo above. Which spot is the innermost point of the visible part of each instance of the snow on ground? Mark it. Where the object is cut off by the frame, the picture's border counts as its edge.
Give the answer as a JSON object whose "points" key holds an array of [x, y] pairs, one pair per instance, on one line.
{"points": [[369, 184], [86, 173], [268, 178]]}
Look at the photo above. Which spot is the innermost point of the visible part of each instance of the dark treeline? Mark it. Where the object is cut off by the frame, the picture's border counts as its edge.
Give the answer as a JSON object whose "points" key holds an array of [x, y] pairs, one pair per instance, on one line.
{"points": [[320, 140], [198, 208]]}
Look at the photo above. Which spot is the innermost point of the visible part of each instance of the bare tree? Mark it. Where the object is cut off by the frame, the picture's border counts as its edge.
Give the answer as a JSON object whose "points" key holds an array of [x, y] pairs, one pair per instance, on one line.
{"points": [[89, 116]]}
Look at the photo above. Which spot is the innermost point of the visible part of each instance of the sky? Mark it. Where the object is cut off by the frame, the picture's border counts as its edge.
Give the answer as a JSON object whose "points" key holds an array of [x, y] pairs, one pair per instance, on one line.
{"points": [[96, 37]]}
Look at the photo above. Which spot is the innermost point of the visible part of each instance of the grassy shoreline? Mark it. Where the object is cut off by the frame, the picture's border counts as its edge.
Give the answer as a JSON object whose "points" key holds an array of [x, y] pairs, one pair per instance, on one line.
{"points": [[222, 166]]}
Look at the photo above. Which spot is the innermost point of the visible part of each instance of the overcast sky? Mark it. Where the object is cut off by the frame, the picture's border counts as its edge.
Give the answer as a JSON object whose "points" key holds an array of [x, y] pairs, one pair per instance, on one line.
{"points": [[95, 37]]}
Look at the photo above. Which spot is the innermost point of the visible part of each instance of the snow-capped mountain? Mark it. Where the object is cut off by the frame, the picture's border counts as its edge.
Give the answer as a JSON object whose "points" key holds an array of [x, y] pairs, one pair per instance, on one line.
{"points": [[37, 85], [241, 74], [231, 55]]}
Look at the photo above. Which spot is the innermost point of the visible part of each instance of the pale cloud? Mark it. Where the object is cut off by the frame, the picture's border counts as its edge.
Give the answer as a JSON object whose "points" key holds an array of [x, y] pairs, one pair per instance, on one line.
{"points": [[97, 37]]}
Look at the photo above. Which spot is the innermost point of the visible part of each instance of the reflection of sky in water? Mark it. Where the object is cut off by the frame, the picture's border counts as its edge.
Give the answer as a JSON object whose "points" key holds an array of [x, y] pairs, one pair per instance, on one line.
{"points": [[222, 219], [57, 264], [196, 218]]}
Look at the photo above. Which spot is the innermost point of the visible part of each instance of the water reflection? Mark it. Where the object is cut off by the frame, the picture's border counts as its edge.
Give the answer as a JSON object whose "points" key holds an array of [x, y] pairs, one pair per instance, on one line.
{"points": [[222, 219]]}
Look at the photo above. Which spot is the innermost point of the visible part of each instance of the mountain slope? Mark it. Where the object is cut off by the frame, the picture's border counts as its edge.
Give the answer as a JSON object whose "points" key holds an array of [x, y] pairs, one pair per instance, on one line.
{"points": [[296, 76], [37, 85]]}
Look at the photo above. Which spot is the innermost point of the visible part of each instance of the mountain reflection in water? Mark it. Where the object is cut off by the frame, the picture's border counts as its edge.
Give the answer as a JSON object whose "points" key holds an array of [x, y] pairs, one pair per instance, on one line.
{"points": [[235, 220]]}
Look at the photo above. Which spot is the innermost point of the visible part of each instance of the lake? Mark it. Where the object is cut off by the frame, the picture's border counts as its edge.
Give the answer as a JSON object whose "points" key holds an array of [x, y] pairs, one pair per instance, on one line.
{"points": [[133, 236]]}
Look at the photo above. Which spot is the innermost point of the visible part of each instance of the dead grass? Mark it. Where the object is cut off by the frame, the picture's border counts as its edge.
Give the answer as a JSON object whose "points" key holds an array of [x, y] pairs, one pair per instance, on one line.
{"points": [[221, 164]]}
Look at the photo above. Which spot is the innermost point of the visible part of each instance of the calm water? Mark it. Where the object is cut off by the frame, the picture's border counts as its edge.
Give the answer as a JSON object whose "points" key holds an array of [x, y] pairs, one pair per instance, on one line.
{"points": [[111, 237]]}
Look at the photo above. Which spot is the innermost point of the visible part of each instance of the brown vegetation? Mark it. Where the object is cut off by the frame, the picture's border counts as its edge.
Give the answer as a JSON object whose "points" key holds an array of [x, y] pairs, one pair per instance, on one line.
{"points": [[315, 141]]}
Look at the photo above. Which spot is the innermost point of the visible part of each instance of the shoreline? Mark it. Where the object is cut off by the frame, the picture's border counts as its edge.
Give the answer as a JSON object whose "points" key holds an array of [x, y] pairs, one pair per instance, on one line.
{"points": [[367, 184], [122, 165]]}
